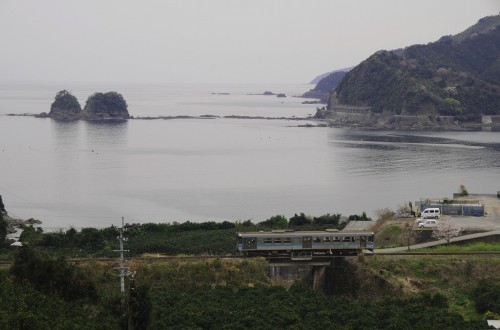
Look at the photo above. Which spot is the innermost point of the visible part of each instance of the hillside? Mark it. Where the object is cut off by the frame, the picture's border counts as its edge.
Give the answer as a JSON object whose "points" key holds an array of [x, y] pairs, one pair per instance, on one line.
{"points": [[325, 86], [455, 76]]}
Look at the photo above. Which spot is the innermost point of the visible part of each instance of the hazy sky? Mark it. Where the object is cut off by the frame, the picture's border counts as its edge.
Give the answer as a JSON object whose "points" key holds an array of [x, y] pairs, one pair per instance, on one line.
{"points": [[203, 41]]}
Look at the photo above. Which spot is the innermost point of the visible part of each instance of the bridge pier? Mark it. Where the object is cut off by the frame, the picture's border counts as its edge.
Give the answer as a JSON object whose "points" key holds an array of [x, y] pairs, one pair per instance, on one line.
{"points": [[318, 277]]}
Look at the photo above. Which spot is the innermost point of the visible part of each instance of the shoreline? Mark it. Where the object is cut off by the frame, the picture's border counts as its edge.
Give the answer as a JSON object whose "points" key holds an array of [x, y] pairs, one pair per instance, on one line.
{"points": [[470, 127]]}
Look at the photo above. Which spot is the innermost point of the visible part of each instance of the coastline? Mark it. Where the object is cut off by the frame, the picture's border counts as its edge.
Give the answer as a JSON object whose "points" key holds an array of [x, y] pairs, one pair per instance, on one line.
{"points": [[322, 122]]}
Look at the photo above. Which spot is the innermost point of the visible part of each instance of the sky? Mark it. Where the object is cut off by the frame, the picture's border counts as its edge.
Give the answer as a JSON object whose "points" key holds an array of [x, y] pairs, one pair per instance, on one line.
{"points": [[214, 41]]}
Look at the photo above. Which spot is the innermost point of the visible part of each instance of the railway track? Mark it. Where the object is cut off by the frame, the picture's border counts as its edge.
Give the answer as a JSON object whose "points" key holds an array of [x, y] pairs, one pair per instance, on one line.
{"points": [[8, 263]]}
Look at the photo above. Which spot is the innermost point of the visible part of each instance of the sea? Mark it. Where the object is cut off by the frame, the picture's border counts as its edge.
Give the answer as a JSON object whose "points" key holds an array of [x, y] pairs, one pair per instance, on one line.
{"points": [[86, 174]]}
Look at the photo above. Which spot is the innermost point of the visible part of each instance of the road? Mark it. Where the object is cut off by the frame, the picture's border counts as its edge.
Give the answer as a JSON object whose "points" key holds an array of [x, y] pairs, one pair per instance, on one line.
{"points": [[491, 221]]}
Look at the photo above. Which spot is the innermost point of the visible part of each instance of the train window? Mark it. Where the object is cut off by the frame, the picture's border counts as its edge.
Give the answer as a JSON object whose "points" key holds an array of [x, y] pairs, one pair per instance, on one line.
{"points": [[268, 240], [327, 239], [277, 240], [317, 239], [346, 239], [287, 240], [336, 239]]}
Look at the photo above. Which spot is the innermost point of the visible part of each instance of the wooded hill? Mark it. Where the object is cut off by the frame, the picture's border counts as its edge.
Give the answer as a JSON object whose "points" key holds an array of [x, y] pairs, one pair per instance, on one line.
{"points": [[456, 76]]}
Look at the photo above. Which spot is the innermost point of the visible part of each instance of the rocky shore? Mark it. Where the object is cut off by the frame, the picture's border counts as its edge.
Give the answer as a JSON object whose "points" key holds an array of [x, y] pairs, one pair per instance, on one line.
{"points": [[13, 224]]}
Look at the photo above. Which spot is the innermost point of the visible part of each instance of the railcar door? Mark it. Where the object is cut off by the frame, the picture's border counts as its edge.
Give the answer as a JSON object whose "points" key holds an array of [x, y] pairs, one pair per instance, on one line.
{"points": [[307, 242], [249, 243], [362, 241]]}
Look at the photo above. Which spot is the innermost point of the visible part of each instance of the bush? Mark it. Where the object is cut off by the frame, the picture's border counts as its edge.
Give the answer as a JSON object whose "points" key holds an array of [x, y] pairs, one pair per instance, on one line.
{"points": [[3, 229], [51, 276], [299, 220], [486, 296], [328, 219], [64, 100], [277, 221]]}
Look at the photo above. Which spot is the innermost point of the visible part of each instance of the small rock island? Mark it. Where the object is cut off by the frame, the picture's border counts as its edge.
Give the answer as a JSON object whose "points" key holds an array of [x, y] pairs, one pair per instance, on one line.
{"points": [[65, 107], [99, 106]]}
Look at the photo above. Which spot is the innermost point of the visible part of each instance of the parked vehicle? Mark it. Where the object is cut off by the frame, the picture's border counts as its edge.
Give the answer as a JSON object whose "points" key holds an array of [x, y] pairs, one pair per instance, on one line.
{"points": [[431, 213], [428, 223], [418, 221]]}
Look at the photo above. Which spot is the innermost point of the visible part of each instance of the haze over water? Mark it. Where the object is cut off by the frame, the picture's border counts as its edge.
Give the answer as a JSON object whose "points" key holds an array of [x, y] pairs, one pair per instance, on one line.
{"points": [[91, 174]]}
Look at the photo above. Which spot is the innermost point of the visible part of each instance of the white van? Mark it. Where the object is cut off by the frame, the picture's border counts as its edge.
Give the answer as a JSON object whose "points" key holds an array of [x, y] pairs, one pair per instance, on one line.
{"points": [[431, 213]]}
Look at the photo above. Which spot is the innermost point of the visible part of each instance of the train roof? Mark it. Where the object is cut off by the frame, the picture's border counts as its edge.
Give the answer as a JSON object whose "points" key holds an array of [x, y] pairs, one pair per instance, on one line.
{"points": [[306, 233]]}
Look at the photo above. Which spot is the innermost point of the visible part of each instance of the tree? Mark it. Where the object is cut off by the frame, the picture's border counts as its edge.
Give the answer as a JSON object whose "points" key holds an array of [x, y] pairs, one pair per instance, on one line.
{"points": [[300, 220], [139, 306], [486, 297], [277, 221], [51, 276], [462, 190], [31, 235], [109, 105], [362, 217], [3, 229], [409, 235], [91, 239], [446, 231], [328, 219], [2, 206], [65, 100]]}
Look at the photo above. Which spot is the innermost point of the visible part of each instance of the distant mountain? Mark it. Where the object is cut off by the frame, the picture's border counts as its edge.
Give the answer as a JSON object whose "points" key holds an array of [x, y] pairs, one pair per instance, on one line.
{"points": [[323, 75], [456, 76], [324, 87], [325, 83]]}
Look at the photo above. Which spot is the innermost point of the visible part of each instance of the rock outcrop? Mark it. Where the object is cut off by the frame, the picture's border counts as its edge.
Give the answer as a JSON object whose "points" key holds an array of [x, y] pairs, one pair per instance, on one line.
{"points": [[64, 107], [99, 106], [105, 106]]}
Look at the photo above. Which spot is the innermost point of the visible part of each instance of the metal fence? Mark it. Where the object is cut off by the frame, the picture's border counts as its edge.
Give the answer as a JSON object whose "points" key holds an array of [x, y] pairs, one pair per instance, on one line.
{"points": [[457, 209]]}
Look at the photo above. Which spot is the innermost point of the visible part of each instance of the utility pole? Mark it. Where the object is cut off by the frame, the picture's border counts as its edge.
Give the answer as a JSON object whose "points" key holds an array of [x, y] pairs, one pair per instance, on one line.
{"points": [[124, 271]]}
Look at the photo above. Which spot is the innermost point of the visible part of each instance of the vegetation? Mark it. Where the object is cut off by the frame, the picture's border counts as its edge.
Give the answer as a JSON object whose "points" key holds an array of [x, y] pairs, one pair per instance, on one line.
{"points": [[277, 221], [472, 247], [462, 190], [65, 107], [455, 277], [228, 294], [446, 231], [456, 77], [3, 229], [51, 276], [487, 297], [175, 238], [65, 100], [44, 290], [299, 308], [109, 105], [325, 86]]}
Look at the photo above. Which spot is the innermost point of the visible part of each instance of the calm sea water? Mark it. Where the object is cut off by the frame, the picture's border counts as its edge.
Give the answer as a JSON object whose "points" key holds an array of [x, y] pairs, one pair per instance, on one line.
{"points": [[89, 174]]}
